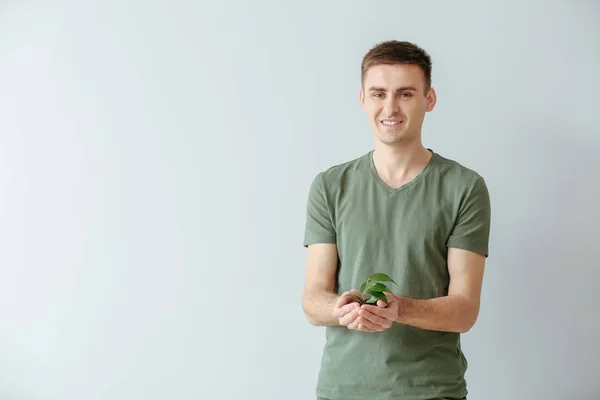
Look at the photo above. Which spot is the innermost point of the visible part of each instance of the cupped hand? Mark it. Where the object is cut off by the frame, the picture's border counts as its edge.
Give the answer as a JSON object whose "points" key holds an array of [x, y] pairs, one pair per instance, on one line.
{"points": [[380, 317], [347, 310], [347, 306]]}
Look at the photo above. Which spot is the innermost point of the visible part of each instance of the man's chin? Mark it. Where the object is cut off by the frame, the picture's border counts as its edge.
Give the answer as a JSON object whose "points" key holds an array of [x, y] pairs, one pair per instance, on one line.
{"points": [[399, 139], [391, 138]]}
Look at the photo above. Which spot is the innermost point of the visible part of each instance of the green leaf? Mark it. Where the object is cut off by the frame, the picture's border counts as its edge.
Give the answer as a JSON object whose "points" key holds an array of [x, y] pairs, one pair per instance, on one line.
{"points": [[358, 299], [372, 300], [378, 295], [379, 287], [362, 287], [381, 277]]}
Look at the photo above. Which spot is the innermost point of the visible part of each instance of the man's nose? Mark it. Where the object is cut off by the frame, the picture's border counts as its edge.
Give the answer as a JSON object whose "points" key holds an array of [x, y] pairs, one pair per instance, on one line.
{"points": [[391, 106]]}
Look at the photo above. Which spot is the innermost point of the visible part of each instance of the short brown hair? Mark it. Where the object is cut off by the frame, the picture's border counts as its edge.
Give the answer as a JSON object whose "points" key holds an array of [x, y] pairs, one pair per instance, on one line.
{"points": [[397, 52]]}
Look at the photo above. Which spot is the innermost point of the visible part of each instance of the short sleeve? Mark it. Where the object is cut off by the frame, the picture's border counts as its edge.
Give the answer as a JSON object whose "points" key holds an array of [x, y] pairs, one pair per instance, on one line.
{"points": [[319, 226], [471, 230]]}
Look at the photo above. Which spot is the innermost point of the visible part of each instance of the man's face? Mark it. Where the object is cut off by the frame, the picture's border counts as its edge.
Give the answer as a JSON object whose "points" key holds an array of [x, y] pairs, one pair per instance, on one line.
{"points": [[393, 98]]}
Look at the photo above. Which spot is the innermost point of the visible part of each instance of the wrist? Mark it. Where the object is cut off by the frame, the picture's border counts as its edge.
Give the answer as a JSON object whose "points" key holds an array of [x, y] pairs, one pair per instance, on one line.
{"points": [[400, 302]]}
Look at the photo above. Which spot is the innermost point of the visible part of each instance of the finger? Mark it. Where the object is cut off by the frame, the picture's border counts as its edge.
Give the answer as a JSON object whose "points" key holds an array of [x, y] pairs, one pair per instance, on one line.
{"points": [[390, 299], [355, 326], [376, 310], [381, 315], [348, 318], [347, 297], [345, 309], [339, 312], [342, 300], [372, 318], [364, 323], [353, 293]]}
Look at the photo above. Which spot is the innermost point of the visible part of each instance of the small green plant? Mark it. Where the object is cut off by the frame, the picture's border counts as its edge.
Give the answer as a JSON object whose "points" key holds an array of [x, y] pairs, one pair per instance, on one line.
{"points": [[373, 289]]}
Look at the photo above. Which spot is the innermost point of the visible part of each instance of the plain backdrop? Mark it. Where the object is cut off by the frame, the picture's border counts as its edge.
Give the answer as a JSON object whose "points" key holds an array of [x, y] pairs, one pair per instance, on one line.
{"points": [[155, 159]]}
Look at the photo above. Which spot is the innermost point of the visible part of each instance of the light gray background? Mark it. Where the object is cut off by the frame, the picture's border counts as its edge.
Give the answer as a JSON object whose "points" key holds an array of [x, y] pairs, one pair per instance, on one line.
{"points": [[154, 165]]}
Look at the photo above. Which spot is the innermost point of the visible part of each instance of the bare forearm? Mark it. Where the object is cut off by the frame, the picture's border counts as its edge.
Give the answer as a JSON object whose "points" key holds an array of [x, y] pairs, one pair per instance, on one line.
{"points": [[450, 313], [318, 306]]}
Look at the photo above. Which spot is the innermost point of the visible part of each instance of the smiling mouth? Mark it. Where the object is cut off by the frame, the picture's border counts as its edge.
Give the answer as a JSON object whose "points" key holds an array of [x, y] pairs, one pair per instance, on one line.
{"points": [[391, 122]]}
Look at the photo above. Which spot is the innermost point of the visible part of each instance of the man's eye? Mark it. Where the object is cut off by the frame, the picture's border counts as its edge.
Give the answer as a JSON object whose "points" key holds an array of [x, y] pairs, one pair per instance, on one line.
{"points": [[406, 94], [377, 94]]}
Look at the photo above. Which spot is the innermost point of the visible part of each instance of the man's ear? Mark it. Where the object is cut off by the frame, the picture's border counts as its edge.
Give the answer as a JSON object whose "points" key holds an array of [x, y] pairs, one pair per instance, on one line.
{"points": [[431, 99], [361, 98]]}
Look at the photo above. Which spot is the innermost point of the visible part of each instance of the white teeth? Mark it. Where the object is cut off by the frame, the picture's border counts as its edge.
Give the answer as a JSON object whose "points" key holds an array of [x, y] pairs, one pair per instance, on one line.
{"points": [[390, 122]]}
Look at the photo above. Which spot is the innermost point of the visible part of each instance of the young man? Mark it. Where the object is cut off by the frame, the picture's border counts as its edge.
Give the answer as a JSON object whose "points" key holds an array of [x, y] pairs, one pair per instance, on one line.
{"points": [[407, 211]]}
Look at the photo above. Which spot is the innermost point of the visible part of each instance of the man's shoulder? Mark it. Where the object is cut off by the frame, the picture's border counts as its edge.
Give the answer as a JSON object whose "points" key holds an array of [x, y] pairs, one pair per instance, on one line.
{"points": [[335, 173], [456, 173]]}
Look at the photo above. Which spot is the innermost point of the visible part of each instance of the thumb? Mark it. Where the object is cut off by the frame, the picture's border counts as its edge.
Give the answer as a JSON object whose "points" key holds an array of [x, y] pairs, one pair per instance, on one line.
{"points": [[348, 297], [390, 299], [356, 293]]}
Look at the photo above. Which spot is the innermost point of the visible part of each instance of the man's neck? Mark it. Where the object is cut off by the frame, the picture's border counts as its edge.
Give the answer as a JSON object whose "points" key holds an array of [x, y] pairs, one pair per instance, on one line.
{"points": [[400, 164]]}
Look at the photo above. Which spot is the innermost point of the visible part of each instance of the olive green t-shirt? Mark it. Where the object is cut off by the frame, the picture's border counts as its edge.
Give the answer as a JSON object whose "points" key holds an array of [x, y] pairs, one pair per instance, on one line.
{"points": [[404, 232]]}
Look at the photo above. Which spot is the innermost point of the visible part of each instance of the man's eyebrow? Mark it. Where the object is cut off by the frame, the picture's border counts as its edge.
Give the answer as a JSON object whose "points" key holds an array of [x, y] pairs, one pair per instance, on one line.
{"points": [[400, 89]]}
